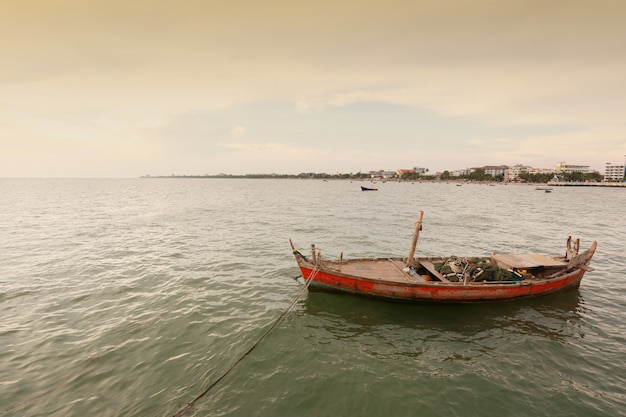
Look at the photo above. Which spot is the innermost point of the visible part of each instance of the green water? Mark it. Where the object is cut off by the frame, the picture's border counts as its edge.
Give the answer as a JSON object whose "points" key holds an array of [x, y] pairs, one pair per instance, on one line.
{"points": [[131, 297]]}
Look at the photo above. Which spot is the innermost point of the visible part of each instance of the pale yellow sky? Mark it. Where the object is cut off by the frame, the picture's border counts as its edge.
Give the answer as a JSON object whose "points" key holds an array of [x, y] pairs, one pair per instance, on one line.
{"points": [[127, 88]]}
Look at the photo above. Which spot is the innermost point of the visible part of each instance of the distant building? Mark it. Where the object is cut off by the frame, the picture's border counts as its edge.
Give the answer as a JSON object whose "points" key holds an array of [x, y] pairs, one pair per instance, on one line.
{"points": [[495, 171], [401, 172], [461, 172], [614, 172], [562, 167], [541, 171], [382, 174], [513, 173]]}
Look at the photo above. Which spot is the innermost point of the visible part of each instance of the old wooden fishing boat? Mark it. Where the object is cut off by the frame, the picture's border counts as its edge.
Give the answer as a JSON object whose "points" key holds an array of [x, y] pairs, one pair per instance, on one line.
{"points": [[368, 189], [497, 277]]}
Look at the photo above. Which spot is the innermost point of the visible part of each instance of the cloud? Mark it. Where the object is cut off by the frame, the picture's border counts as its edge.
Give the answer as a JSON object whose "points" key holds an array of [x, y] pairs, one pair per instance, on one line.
{"points": [[320, 102], [256, 149], [476, 142], [238, 132]]}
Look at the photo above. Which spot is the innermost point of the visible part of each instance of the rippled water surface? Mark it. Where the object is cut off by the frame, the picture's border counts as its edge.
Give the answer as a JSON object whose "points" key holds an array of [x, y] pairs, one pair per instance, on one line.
{"points": [[131, 297]]}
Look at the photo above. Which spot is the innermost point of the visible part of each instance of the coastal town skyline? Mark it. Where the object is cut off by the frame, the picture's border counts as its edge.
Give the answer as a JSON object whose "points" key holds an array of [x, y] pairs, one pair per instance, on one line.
{"points": [[125, 89], [611, 171]]}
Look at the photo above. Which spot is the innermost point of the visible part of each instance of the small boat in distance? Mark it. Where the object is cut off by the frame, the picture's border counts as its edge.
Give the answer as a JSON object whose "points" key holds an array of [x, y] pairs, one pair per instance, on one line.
{"points": [[368, 189], [452, 279]]}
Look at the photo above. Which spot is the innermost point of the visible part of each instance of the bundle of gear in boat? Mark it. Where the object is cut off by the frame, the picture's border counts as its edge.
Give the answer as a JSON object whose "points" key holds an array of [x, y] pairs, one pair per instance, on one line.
{"points": [[457, 269], [499, 267]]}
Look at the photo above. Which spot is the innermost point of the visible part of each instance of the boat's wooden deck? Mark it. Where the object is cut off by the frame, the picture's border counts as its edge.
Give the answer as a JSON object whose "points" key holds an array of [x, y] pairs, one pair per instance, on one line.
{"points": [[384, 270], [391, 270], [528, 261]]}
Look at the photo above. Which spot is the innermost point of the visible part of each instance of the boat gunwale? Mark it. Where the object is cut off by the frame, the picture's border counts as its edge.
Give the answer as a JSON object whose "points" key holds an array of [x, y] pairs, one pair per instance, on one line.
{"points": [[413, 283]]}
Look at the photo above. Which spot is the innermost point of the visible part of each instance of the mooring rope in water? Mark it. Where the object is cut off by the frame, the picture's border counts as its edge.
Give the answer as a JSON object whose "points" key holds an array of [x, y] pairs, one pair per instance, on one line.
{"points": [[188, 408]]}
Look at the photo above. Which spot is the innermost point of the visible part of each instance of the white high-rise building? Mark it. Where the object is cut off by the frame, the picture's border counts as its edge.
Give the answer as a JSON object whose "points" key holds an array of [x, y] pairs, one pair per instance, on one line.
{"points": [[614, 172]]}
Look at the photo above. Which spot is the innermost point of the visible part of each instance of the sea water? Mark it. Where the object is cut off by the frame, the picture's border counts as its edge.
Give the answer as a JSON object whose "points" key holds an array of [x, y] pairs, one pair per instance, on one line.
{"points": [[130, 297]]}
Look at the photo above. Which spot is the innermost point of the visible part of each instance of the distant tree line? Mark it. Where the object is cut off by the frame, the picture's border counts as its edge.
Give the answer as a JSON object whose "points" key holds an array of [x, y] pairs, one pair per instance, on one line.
{"points": [[476, 175], [481, 175], [563, 177]]}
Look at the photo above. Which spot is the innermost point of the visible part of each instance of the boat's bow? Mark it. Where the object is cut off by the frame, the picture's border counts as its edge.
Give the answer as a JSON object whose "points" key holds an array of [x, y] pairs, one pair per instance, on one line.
{"points": [[582, 260]]}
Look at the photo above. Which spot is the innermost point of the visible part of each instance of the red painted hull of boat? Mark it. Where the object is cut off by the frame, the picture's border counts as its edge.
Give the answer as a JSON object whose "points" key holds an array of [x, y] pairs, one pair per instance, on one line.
{"points": [[439, 291]]}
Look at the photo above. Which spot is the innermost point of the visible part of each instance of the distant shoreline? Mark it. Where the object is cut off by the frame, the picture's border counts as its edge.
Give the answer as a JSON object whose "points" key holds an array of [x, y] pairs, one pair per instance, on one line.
{"points": [[249, 176], [453, 181]]}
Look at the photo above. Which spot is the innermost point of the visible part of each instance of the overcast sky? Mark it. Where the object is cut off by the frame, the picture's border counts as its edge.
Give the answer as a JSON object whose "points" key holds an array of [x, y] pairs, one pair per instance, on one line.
{"points": [[124, 88]]}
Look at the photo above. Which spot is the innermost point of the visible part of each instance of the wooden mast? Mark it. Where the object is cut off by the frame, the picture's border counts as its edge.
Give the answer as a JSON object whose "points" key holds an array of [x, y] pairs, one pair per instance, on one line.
{"points": [[416, 234]]}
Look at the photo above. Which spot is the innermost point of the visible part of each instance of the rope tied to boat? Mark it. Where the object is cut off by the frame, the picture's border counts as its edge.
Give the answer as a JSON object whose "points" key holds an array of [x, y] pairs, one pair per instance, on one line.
{"points": [[189, 408]]}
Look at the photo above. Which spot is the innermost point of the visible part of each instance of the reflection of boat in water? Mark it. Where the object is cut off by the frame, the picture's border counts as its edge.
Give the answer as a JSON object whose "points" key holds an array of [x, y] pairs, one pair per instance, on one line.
{"points": [[550, 317], [499, 277]]}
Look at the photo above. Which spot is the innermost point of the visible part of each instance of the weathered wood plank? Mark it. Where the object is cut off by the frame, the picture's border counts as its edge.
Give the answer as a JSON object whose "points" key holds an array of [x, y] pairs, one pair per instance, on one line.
{"points": [[528, 261], [375, 269], [430, 267]]}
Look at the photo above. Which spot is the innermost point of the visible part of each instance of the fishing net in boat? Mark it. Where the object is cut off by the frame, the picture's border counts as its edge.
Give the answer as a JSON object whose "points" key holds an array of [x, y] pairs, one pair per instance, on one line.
{"points": [[455, 269]]}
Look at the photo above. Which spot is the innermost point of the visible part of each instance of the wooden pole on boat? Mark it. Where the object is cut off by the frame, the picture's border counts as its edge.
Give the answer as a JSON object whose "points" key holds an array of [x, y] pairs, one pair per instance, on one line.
{"points": [[416, 234]]}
